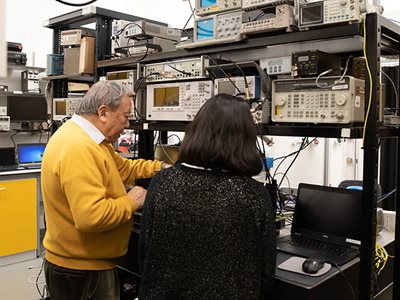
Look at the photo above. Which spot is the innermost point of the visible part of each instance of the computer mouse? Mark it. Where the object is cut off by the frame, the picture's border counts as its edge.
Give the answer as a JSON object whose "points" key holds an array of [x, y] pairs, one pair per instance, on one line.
{"points": [[312, 265]]}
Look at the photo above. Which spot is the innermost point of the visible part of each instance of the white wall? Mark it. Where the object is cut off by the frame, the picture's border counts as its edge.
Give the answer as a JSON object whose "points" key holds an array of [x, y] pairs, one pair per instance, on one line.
{"points": [[391, 9], [308, 167], [24, 20]]}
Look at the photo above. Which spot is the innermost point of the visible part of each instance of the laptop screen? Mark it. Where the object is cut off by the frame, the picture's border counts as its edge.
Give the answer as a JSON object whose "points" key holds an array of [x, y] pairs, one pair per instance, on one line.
{"points": [[328, 213], [7, 156], [30, 154]]}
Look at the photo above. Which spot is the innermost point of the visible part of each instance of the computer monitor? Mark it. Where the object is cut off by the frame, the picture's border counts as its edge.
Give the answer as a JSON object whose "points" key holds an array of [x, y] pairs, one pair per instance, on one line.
{"points": [[7, 156], [27, 107], [330, 211], [30, 154]]}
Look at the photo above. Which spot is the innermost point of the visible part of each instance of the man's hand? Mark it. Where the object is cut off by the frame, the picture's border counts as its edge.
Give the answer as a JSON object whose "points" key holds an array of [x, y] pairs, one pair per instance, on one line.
{"points": [[165, 165], [138, 195]]}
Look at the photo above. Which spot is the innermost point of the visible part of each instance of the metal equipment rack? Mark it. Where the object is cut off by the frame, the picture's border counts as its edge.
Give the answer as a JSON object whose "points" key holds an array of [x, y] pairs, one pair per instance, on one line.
{"points": [[381, 37]]}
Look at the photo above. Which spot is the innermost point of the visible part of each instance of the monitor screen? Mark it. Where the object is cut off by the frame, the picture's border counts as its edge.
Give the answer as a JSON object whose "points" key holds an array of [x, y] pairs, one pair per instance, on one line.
{"points": [[312, 14], [207, 3], [226, 87], [205, 29], [30, 153], [168, 96], [60, 107], [329, 210], [27, 107]]}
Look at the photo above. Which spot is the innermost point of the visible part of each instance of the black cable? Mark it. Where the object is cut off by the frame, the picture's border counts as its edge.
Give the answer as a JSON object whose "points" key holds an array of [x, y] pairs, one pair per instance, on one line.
{"points": [[263, 154], [134, 56], [137, 114], [291, 164], [267, 173], [117, 34], [281, 194], [76, 4], [145, 54], [162, 146], [258, 16], [180, 71], [175, 135], [345, 278], [266, 82], [386, 195], [187, 22], [139, 82], [293, 153], [246, 84], [136, 88], [223, 72], [12, 138], [42, 295]]}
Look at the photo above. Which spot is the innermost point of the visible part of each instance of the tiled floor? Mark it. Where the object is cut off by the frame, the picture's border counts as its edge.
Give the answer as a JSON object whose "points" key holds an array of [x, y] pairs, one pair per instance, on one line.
{"points": [[18, 281]]}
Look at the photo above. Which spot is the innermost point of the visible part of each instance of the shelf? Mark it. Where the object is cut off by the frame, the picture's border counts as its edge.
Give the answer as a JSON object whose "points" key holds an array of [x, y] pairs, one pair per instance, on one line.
{"points": [[314, 130], [88, 15], [345, 31], [23, 67], [28, 94], [162, 126], [310, 130], [79, 77]]}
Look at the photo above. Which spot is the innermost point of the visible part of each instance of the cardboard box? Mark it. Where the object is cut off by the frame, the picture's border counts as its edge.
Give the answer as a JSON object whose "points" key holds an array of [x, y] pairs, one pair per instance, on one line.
{"points": [[79, 60]]}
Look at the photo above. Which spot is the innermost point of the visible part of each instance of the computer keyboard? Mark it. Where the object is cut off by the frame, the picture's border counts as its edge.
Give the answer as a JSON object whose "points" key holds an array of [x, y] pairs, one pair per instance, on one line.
{"points": [[9, 168], [321, 246]]}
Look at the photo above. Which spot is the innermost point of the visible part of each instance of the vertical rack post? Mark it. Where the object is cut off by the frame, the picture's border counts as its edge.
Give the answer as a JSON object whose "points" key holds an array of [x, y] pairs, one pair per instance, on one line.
{"points": [[396, 267], [146, 144], [103, 42], [370, 171]]}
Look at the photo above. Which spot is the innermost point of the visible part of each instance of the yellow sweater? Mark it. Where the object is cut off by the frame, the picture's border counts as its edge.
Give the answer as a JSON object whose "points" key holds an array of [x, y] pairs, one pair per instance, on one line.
{"points": [[88, 214]]}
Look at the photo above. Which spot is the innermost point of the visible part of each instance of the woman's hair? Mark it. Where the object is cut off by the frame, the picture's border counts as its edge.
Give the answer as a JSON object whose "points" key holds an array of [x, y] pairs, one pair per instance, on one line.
{"points": [[107, 93], [222, 136]]}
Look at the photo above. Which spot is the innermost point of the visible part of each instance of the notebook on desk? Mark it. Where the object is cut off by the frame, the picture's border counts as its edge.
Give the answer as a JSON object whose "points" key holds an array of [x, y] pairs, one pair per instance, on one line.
{"points": [[30, 155], [326, 224]]}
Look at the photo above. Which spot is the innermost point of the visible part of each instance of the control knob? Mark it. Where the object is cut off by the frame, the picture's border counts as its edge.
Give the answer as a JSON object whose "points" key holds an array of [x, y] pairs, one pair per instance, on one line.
{"points": [[341, 100], [339, 116], [281, 101]]}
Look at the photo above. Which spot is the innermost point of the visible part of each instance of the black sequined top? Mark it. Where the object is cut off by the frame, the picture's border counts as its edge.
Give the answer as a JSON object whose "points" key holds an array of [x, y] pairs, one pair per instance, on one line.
{"points": [[206, 235]]}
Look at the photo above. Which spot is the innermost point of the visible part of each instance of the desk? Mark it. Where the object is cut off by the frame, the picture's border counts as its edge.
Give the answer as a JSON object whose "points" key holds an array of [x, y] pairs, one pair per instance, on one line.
{"points": [[289, 285], [332, 285]]}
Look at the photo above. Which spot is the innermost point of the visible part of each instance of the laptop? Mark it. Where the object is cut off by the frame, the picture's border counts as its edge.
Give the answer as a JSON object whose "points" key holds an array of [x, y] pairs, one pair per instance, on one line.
{"points": [[7, 159], [30, 155], [326, 224]]}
